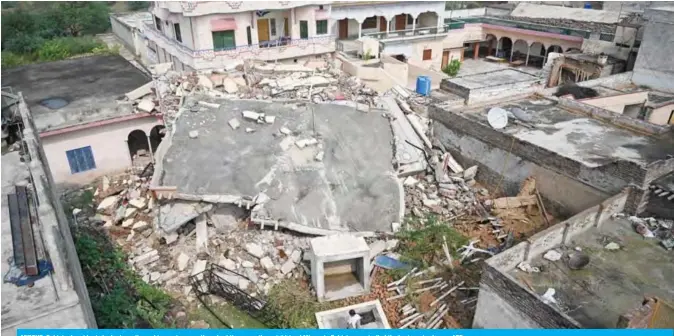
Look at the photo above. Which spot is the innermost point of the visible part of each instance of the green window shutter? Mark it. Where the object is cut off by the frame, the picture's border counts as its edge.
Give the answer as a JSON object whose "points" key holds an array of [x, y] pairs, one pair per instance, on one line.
{"points": [[223, 40], [321, 27], [304, 29]]}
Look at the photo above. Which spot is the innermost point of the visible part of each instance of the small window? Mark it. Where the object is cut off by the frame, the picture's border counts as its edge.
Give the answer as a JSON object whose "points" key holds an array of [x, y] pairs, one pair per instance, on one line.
{"points": [[224, 40], [272, 23], [428, 54], [320, 7], [321, 27], [249, 36], [81, 159], [176, 29], [157, 23], [304, 30], [370, 23]]}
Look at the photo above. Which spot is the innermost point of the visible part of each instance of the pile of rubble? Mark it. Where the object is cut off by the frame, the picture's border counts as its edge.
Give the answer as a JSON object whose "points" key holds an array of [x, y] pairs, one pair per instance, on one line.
{"points": [[317, 82], [661, 229]]}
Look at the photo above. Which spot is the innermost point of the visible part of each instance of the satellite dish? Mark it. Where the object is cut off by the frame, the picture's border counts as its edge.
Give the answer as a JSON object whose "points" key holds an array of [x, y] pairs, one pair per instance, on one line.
{"points": [[497, 118]]}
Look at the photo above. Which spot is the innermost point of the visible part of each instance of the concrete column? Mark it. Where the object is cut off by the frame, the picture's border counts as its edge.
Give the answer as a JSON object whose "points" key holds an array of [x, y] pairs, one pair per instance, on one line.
{"points": [[512, 50], [149, 146], [388, 25], [360, 29], [414, 22], [498, 44], [476, 50]]}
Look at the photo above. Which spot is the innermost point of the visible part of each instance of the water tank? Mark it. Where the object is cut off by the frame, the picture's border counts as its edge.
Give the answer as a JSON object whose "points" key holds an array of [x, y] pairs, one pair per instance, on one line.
{"points": [[424, 85], [587, 5]]}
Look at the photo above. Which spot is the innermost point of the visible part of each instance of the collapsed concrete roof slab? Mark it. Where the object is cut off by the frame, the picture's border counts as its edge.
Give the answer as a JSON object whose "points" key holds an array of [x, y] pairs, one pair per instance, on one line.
{"points": [[332, 173]]}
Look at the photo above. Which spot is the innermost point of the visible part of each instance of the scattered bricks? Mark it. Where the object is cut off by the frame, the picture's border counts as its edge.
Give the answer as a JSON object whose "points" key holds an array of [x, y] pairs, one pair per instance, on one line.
{"points": [[193, 134], [234, 123]]}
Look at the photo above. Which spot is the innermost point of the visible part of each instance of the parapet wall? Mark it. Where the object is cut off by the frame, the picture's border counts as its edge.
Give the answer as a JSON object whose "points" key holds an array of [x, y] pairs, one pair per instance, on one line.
{"points": [[489, 93], [504, 303], [54, 226]]}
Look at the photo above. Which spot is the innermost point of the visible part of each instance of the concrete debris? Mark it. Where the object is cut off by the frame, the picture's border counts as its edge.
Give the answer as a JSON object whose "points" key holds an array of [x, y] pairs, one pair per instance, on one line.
{"points": [[514, 202], [549, 296], [199, 267], [234, 123], [138, 203], [612, 246], [183, 260], [227, 263], [205, 82], [269, 119], [202, 234], [255, 250], [287, 267], [285, 131], [526, 267], [247, 264], [107, 203], [146, 105], [193, 134], [230, 85], [140, 226], [552, 255], [140, 92], [250, 130], [251, 115], [267, 264]]}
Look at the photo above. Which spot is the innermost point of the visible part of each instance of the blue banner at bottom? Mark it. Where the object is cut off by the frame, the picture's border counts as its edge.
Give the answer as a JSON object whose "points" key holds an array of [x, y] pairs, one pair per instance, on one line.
{"points": [[343, 332]]}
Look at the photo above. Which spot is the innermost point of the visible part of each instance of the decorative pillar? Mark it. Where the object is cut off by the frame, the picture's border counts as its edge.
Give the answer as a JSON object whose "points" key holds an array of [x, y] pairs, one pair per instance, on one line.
{"points": [[388, 25], [498, 44], [360, 29], [512, 50], [526, 62], [149, 146], [476, 50], [414, 22]]}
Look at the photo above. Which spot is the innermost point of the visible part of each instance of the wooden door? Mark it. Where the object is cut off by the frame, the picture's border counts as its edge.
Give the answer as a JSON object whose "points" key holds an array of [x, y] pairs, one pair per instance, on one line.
{"points": [[401, 22], [343, 28], [445, 59], [382, 24], [285, 27], [263, 30]]}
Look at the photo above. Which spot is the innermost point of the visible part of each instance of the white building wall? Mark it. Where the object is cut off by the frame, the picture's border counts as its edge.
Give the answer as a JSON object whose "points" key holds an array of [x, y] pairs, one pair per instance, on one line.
{"points": [[108, 144]]}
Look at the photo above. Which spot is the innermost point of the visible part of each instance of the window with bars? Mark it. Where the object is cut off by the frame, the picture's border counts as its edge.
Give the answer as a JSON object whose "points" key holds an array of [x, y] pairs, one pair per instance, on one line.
{"points": [[249, 36], [157, 23], [223, 40], [321, 27], [272, 24], [81, 159]]}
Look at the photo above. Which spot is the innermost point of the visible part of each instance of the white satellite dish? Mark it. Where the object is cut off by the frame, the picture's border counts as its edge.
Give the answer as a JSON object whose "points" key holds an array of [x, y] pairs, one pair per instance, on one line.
{"points": [[497, 118]]}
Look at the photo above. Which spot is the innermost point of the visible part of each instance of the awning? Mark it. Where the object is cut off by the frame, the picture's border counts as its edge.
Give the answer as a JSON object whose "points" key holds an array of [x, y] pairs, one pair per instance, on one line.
{"points": [[223, 24]]}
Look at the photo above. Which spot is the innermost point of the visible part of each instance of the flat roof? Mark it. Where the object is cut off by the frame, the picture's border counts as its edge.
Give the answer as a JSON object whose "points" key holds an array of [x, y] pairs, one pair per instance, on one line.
{"points": [[337, 245], [613, 283], [577, 136], [43, 304], [351, 188], [91, 86], [133, 19], [493, 78]]}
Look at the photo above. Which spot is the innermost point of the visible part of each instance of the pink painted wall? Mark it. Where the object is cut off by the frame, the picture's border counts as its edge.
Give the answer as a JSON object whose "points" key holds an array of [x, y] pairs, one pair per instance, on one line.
{"points": [[108, 144]]}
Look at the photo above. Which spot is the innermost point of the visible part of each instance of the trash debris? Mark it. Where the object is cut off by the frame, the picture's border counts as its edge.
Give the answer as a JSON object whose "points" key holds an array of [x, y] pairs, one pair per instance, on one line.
{"points": [[526, 267], [549, 296], [552, 255], [612, 246]]}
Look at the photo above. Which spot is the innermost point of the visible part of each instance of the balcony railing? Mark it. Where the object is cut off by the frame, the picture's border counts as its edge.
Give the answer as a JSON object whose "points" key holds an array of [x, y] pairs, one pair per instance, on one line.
{"points": [[529, 26], [417, 32], [253, 49]]}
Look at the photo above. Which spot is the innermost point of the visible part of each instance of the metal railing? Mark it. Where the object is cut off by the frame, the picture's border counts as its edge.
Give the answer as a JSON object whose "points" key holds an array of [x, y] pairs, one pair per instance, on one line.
{"points": [[528, 26], [420, 31]]}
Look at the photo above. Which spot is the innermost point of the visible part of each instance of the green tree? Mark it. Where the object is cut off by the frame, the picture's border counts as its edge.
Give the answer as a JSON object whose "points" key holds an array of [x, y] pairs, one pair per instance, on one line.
{"points": [[138, 5], [452, 69]]}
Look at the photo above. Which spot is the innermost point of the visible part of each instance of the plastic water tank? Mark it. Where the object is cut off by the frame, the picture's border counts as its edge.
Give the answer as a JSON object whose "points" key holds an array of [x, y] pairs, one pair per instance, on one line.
{"points": [[587, 5], [424, 85]]}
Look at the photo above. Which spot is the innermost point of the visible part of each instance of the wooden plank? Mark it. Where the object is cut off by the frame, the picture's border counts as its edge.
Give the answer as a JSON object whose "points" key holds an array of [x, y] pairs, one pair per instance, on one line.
{"points": [[15, 224], [29, 252], [514, 202]]}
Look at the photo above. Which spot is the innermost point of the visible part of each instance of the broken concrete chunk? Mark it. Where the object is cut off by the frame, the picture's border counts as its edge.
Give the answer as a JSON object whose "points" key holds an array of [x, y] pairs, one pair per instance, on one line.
{"points": [[319, 156], [287, 267], [227, 263], [469, 174], [205, 82], [193, 134], [176, 214], [269, 119], [146, 105], [146, 258], [127, 223], [140, 226], [243, 284], [267, 264], [296, 256], [137, 203], [183, 260], [376, 248], [255, 250], [130, 212], [140, 92], [612, 246], [234, 123], [171, 238], [199, 267], [410, 181], [230, 86], [306, 142], [285, 131], [202, 234], [251, 115], [250, 130], [107, 203], [552, 255], [247, 264]]}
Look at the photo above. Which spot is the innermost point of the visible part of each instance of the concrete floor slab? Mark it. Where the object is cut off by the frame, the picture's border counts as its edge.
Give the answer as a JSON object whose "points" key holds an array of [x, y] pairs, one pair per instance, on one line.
{"points": [[353, 188], [614, 282]]}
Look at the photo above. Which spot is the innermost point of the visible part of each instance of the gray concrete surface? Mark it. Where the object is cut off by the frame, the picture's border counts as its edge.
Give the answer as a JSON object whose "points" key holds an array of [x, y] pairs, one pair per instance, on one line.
{"points": [[45, 304], [493, 78], [353, 188], [91, 86], [654, 67], [614, 282], [578, 137]]}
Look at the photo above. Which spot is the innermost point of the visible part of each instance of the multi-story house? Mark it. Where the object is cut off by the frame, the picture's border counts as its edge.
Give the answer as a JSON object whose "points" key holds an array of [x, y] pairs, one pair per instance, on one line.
{"points": [[200, 35]]}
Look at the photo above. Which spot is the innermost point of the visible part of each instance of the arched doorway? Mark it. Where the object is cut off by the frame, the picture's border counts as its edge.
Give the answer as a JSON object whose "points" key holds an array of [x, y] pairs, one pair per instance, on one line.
{"points": [[139, 148], [537, 54], [505, 47], [555, 48], [520, 51], [156, 135]]}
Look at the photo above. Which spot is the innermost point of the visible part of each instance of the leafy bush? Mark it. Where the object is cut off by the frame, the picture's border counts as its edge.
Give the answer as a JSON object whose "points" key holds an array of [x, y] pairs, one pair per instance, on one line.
{"points": [[10, 59], [64, 47], [452, 69], [138, 5]]}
